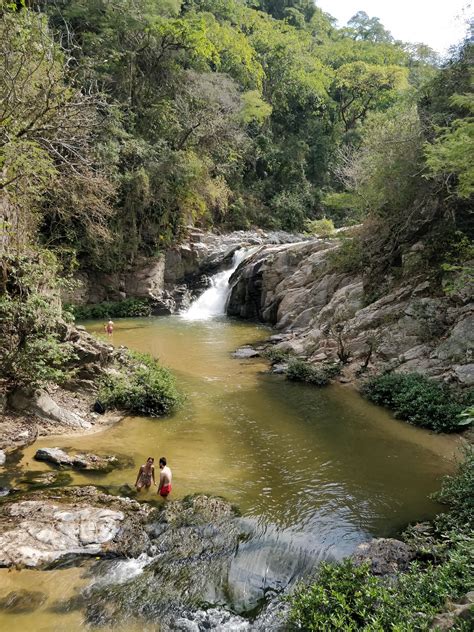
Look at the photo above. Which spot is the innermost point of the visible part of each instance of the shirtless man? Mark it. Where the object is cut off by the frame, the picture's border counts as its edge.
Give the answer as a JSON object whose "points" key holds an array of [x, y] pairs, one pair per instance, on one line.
{"points": [[146, 474], [164, 487]]}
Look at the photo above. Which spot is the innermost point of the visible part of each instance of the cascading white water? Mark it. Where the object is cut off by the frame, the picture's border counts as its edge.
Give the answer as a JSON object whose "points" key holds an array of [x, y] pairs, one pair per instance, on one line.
{"points": [[213, 301]]}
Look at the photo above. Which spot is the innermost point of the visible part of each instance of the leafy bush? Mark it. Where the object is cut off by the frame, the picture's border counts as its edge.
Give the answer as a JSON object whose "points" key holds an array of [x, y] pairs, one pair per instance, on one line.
{"points": [[146, 388], [320, 227], [275, 355], [417, 399], [458, 492], [111, 309], [32, 353], [349, 597], [302, 371]]}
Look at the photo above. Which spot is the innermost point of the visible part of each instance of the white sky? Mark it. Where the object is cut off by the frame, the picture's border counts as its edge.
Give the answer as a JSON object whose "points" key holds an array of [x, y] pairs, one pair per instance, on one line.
{"points": [[438, 23]]}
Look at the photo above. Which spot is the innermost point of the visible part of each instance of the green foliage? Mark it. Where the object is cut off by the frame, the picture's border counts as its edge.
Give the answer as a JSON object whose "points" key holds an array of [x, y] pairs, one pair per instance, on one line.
{"points": [[451, 153], [417, 399], [143, 388], [349, 257], [320, 227], [458, 492], [130, 307], [275, 355], [301, 371], [31, 351], [349, 597]]}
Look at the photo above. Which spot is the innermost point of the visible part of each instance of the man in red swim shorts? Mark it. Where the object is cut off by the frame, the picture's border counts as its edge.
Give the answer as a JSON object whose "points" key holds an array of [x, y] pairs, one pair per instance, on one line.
{"points": [[164, 486]]}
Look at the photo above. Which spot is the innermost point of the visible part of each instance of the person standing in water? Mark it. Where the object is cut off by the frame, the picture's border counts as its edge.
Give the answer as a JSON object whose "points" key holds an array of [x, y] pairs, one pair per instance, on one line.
{"points": [[164, 487], [109, 327], [146, 474]]}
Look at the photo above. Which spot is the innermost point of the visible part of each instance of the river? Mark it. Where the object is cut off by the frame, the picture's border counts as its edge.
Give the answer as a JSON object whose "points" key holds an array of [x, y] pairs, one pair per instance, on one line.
{"points": [[313, 471]]}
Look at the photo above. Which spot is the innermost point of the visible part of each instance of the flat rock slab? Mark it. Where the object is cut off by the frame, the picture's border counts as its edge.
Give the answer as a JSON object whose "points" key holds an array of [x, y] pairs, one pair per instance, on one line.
{"points": [[86, 461], [37, 532], [245, 352]]}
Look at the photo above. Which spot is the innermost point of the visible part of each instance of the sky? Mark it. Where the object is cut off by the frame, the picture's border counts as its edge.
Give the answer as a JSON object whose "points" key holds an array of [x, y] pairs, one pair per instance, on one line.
{"points": [[438, 23]]}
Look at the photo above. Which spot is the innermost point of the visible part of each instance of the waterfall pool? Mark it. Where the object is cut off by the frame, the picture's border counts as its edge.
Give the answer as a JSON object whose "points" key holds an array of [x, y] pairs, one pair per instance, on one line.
{"points": [[313, 471]]}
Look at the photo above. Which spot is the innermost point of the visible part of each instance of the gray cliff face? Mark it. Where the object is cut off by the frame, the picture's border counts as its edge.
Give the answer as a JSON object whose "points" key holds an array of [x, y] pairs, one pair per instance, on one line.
{"points": [[412, 327], [164, 278]]}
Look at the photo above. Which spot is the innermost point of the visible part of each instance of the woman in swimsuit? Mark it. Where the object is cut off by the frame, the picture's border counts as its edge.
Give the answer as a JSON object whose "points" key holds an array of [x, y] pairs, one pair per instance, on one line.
{"points": [[146, 474]]}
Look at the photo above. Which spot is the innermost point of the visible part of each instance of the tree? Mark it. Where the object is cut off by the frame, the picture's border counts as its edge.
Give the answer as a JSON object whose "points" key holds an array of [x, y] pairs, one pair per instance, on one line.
{"points": [[362, 27], [450, 155], [359, 87]]}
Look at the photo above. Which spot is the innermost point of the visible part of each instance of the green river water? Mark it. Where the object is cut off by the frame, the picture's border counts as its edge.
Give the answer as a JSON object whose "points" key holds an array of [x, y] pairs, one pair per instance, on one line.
{"points": [[313, 471]]}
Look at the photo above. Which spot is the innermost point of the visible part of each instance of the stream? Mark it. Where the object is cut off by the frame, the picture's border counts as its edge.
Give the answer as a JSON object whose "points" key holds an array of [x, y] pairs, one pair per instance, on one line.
{"points": [[314, 472]]}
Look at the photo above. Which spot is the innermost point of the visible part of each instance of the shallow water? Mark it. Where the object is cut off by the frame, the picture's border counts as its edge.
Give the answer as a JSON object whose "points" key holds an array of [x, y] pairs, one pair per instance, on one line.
{"points": [[313, 471]]}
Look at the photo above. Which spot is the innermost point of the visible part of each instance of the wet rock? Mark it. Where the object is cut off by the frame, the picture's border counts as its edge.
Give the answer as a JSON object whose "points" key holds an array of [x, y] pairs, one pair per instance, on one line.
{"points": [[212, 619], [22, 601], [245, 352], [53, 455], [280, 368], [386, 555], [38, 480], [75, 522], [192, 543], [87, 461]]}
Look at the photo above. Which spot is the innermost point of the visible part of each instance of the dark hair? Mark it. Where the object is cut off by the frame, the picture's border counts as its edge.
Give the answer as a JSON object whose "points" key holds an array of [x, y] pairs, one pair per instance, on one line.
{"points": [[163, 460], [151, 458]]}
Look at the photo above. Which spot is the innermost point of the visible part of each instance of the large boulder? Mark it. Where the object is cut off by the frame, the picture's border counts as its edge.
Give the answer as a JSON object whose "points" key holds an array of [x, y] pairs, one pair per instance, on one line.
{"points": [[41, 403], [297, 288], [43, 530], [385, 555]]}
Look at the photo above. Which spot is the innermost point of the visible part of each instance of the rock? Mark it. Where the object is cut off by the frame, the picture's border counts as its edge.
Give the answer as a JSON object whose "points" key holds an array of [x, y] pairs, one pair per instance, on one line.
{"points": [[87, 461], [53, 455], [3, 457], [296, 288], [245, 352], [319, 357], [463, 611], [193, 542], [38, 480], [40, 403], [22, 601], [464, 374], [76, 522], [280, 368], [212, 619], [386, 555]]}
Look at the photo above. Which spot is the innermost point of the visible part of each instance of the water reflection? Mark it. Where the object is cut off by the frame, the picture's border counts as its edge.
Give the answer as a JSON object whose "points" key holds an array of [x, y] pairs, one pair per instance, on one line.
{"points": [[313, 471]]}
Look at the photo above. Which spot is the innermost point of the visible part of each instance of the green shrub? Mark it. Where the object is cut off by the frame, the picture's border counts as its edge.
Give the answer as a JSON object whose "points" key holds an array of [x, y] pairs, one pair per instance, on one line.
{"points": [[275, 355], [349, 597], [417, 399], [146, 388], [130, 307], [320, 227], [302, 371], [32, 352], [458, 492]]}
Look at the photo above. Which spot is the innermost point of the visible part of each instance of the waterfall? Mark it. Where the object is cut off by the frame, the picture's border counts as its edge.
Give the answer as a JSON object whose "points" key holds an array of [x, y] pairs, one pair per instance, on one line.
{"points": [[213, 301]]}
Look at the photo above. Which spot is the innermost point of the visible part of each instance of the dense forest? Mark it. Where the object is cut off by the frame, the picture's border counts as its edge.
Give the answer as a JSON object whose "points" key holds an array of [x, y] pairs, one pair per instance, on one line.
{"points": [[125, 121], [135, 118]]}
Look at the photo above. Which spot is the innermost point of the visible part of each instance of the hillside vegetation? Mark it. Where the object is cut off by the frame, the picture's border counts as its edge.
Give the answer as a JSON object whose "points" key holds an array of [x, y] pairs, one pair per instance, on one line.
{"points": [[124, 121]]}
